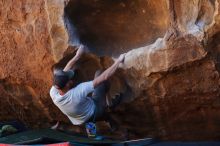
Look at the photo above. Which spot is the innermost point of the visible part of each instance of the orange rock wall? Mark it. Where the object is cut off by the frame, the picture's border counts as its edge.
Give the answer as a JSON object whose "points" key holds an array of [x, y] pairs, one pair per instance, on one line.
{"points": [[171, 66], [26, 58]]}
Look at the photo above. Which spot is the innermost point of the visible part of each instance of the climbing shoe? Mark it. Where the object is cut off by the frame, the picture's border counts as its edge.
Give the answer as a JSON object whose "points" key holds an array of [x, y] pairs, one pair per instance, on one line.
{"points": [[116, 101], [91, 129]]}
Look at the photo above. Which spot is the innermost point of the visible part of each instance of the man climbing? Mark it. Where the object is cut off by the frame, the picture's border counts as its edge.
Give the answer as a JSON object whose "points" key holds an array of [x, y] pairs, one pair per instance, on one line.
{"points": [[74, 101]]}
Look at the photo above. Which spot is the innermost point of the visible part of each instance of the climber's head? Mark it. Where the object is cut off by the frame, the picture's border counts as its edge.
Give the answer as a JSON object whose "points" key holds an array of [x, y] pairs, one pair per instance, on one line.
{"points": [[63, 79]]}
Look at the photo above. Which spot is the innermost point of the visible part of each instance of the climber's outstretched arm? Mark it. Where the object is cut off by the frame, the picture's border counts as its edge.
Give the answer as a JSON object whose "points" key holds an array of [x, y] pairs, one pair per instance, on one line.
{"points": [[108, 72], [73, 61]]}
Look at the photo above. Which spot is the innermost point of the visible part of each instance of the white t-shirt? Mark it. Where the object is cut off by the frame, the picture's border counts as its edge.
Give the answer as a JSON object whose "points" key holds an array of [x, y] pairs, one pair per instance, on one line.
{"points": [[75, 103]]}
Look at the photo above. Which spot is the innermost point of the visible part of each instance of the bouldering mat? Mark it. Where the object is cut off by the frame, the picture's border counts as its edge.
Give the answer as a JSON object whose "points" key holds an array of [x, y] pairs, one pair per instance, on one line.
{"points": [[49, 136]]}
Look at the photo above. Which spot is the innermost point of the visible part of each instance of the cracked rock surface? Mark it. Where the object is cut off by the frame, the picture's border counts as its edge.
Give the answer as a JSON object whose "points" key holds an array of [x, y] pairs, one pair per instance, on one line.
{"points": [[170, 76]]}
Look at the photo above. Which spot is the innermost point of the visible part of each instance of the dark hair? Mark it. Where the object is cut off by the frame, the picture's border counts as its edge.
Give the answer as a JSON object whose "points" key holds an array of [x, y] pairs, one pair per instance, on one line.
{"points": [[60, 81]]}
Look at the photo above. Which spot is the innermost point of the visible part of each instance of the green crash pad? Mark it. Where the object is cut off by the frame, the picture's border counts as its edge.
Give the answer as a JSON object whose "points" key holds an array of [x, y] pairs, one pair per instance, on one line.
{"points": [[49, 136]]}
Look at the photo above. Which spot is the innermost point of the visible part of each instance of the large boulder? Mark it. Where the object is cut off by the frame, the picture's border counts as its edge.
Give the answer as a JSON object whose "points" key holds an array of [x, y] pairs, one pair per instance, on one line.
{"points": [[170, 77]]}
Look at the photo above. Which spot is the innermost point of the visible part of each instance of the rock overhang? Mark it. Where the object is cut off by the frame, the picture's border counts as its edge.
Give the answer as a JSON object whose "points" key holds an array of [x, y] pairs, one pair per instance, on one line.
{"points": [[175, 77], [114, 27]]}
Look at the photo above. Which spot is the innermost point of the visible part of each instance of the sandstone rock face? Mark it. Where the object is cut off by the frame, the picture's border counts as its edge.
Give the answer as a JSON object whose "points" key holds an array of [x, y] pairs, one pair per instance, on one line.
{"points": [[25, 60], [113, 27], [170, 78]]}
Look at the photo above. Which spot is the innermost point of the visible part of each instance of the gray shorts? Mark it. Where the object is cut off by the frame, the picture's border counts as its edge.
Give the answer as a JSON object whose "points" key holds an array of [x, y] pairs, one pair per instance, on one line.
{"points": [[99, 98]]}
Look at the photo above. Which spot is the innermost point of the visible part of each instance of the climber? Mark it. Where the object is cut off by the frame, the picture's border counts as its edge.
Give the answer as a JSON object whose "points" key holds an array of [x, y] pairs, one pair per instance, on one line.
{"points": [[74, 101]]}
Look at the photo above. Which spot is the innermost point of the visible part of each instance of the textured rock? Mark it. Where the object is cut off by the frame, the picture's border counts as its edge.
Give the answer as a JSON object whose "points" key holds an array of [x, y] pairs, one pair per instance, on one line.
{"points": [[59, 35], [113, 27], [30, 37], [25, 48], [170, 76]]}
